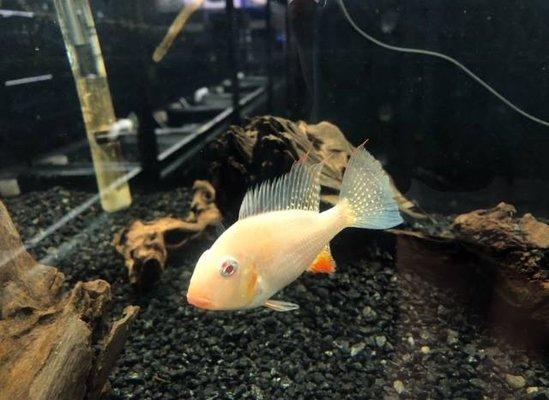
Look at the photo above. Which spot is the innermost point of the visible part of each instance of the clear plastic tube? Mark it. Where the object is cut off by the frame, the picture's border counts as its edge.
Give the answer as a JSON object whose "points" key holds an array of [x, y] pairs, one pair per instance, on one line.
{"points": [[88, 68]]}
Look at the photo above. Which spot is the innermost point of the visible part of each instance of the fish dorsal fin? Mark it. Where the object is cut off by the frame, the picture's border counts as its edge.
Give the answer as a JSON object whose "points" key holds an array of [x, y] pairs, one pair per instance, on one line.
{"points": [[324, 263], [297, 190]]}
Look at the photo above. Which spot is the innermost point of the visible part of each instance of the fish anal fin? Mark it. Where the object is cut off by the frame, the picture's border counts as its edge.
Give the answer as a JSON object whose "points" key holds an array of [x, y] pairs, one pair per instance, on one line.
{"points": [[324, 263], [281, 306]]}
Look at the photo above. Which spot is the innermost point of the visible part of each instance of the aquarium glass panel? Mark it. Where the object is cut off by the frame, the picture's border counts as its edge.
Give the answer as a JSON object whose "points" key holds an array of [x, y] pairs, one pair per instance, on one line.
{"points": [[274, 199]]}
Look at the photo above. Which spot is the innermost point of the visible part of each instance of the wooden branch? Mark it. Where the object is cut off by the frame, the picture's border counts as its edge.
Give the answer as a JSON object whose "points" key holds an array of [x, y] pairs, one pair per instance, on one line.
{"points": [[498, 228], [175, 28], [111, 348], [46, 335], [146, 245]]}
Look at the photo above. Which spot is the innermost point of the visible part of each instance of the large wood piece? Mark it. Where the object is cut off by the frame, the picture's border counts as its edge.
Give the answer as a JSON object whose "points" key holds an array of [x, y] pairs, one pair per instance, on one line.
{"points": [[266, 147], [48, 337], [509, 254], [146, 245]]}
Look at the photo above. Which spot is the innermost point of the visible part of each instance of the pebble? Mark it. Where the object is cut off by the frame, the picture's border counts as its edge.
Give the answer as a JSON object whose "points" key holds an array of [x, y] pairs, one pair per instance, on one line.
{"points": [[257, 392], [479, 383], [451, 337], [515, 381], [357, 348], [135, 377], [380, 341], [369, 314], [541, 394], [399, 386]]}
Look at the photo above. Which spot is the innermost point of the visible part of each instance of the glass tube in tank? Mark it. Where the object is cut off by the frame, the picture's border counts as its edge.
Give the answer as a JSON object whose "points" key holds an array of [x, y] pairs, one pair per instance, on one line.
{"points": [[88, 68]]}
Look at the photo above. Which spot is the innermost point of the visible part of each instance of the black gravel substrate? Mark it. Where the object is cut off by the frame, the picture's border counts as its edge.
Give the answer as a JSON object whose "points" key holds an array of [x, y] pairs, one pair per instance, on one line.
{"points": [[367, 332]]}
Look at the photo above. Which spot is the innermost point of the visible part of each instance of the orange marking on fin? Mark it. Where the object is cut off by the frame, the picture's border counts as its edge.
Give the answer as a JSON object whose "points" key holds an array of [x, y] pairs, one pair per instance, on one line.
{"points": [[324, 263]]}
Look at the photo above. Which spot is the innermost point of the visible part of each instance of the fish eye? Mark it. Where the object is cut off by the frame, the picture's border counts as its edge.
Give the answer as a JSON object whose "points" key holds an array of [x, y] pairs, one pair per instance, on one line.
{"points": [[228, 267]]}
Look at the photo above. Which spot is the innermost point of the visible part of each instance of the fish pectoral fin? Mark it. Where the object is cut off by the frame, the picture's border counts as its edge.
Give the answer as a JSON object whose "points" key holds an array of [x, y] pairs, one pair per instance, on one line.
{"points": [[281, 306], [324, 263]]}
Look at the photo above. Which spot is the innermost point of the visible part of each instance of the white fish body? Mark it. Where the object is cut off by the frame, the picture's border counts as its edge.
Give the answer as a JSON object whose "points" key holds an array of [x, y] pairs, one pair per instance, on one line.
{"points": [[281, 233], [283, 244]]}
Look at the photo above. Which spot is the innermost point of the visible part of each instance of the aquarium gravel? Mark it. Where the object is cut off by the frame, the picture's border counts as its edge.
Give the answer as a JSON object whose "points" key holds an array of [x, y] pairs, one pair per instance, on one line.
{"points": [[367, 332]]}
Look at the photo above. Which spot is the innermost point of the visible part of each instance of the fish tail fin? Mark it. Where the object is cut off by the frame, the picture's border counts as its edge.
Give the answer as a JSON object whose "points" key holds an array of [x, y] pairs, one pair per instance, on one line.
{"points": [[367, 196]]}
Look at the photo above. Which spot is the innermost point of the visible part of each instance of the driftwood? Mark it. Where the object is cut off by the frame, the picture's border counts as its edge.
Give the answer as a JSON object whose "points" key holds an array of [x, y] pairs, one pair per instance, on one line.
{"points": [[267, 146], [146, 245], [509, 254], [49, 338]]}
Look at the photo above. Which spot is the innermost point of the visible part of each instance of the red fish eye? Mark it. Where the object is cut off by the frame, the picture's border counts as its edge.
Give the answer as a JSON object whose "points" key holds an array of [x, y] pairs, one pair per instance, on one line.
{"points": [[228, 267]]}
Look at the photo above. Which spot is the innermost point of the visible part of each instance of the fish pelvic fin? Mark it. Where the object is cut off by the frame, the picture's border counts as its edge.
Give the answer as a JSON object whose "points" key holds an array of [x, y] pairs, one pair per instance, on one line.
{"points": [[367, 194], [324, 263], [281, 306]]}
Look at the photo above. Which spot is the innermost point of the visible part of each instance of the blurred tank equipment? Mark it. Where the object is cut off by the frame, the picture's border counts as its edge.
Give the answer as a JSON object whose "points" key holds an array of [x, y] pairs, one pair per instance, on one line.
{"points": [[88, 68], [175, 28]]}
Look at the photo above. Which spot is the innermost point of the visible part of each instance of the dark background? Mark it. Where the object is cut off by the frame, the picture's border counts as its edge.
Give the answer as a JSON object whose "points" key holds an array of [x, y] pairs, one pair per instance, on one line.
{"points": [[435, 129], [41, 116], [425, 118]]}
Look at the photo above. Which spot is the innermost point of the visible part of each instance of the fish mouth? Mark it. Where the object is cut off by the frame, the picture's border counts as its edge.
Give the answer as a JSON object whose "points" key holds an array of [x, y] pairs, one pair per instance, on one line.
{"points": [[199, 301]]}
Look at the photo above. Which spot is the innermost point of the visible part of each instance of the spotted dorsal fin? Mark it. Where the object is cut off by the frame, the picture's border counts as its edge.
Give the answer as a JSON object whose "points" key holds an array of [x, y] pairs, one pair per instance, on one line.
{"points": [[324, 263], [297, 190]]}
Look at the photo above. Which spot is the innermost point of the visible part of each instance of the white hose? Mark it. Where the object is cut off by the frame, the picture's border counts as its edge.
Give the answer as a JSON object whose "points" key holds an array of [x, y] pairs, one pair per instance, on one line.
{"points": [[444, 57]]}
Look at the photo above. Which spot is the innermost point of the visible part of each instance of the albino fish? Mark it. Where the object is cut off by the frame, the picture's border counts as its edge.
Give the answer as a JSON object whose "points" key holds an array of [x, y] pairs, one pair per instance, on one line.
{"points": [[281, 233]]}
